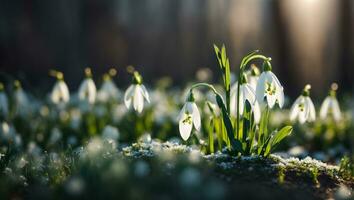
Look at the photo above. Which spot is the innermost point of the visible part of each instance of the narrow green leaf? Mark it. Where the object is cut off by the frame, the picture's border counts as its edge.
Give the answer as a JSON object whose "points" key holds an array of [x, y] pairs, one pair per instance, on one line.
{"points": [[236, 144], [227, 75], [211, 135], [223, 56], [280, 135], [218, 55], [276, 137]]}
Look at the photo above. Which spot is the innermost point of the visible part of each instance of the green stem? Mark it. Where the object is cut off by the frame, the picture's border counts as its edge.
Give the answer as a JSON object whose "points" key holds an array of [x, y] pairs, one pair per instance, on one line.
{"points": [[257, 56], [204, 85]]}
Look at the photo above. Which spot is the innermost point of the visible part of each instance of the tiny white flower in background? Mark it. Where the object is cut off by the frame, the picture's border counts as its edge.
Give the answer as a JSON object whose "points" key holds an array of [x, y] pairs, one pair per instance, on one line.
{"points": [[303, 108], [136, 93], [21, 99], [188, 117], [4, 104], [330, 105], [246, 94], [87, 89], [269, 86], [108, 90], [60, 92]]}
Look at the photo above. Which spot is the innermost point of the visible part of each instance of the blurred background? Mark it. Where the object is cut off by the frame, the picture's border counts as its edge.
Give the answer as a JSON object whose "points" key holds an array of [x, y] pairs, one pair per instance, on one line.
{"points": [[310, 41]]}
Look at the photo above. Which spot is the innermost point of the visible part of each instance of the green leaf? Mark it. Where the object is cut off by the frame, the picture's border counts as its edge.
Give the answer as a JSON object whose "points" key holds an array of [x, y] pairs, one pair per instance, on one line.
{"points": [[218, 55], [236, 144], [223, 56], [227, 75], [263, 129], [280, 135], [276, 137], [211, 135]]}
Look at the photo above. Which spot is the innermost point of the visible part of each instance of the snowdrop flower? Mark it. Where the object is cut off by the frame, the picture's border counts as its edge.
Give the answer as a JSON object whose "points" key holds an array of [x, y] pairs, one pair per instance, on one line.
{"points": [[269, 86], [60, 92], [303, 108], [108, 89], [136, 93], [188, 117], [21, 99], [246, 94], [87, 89], [4, 104], [330, 105]]}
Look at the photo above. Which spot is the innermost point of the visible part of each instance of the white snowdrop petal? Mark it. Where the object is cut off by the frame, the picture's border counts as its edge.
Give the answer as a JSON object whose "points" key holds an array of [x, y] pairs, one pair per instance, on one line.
{"points": [[260, 89], [324, 108], [91, 89], [312, 111], [302, 116], [196, 117], [64, 91], [141, 103], [185, 129], [128, 95], [280, 96], [249, 93], [336, 110], [253, 82], [294, 110], [145, 93], [271, 99], [181, 114], [138, 100], [256, 112]]}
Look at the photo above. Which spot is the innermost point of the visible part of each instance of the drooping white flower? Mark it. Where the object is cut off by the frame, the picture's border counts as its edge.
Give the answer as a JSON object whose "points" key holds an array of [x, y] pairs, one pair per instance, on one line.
{"points": [[246, 94], [303, 108], [188, 117], [87, 89], [269, 86], [108, 90], [60, 92], [21, 100], [330, 105], [136, 93], [4, 104]]}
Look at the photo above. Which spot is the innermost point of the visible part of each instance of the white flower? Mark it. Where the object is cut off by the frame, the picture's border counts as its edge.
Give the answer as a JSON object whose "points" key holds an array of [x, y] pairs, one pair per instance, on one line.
{"points": [[135, 94], [303, 108], [330, 105], [188, 117], [108, 91], [4, 104], [246, 94], [22, 102], [60, 93], [87, 91], [268, 85], [253, 80]]}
